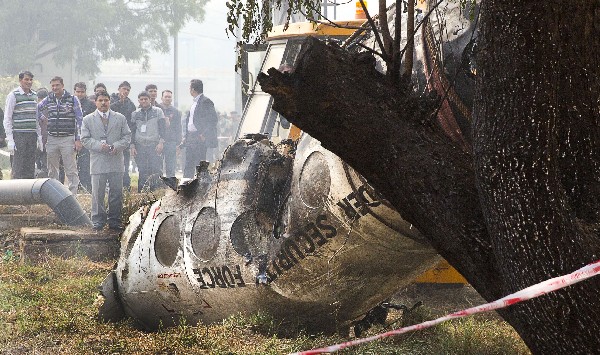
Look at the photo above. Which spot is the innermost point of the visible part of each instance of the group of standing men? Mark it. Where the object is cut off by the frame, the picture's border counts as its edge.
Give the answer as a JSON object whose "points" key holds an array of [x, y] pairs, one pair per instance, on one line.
{"points": [[106, 131]]}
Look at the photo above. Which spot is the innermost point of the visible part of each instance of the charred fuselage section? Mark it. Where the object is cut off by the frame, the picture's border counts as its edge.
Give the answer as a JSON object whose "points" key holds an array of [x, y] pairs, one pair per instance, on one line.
{"points": [[288, 230]]}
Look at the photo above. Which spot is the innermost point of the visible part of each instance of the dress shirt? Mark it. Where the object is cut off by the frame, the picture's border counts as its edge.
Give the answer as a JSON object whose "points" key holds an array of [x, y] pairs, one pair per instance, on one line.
{"points": [[190, 126]]}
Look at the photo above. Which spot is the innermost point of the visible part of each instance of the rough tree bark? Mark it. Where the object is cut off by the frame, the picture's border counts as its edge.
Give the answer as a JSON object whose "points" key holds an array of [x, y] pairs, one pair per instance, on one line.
{"points": [[537, 158], [524, 205]]}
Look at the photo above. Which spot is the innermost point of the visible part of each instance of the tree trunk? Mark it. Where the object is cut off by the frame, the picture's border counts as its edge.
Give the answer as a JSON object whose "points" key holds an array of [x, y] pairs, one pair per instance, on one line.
{"points": [[400, 150], [537, 156], [524, 206]]}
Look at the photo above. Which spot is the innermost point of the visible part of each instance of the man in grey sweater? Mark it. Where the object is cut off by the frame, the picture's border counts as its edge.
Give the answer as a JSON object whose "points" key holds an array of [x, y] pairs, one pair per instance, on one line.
{"points": [[147, 142]]}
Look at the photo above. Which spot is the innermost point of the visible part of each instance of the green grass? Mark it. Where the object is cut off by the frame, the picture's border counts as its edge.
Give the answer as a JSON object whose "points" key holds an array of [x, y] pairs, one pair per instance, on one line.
{"points": [[51, 309], [480, 334]]}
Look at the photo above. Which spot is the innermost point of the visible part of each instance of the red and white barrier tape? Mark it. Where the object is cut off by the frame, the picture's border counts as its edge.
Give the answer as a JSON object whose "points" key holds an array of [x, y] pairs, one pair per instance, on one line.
{"points": [[530, 292]]}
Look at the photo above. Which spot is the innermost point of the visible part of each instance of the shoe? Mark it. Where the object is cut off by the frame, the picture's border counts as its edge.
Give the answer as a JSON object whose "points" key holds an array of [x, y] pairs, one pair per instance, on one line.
{"points": [[98, 228]]}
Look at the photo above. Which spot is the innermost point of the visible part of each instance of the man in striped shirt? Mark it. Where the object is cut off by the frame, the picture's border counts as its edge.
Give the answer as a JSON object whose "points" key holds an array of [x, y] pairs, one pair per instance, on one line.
{"points": [[23, 132], [64, 115]]}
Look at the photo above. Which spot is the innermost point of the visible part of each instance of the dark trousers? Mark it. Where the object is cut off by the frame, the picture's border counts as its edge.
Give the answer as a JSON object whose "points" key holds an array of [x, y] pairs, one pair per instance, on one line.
{"points": [[40, 160], [61, 170], [195, 152], [83, 168], [149, 166], [23, 164], [170, 158], [126, 177], [115, 199]]}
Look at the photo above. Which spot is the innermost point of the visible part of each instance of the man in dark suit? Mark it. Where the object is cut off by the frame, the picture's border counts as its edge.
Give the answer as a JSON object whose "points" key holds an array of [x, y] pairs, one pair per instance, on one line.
{"points": [[200, 130]]}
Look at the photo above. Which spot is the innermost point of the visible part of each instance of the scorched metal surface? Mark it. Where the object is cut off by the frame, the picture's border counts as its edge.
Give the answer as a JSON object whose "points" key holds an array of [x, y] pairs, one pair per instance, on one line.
{"points": [[302, 238]]}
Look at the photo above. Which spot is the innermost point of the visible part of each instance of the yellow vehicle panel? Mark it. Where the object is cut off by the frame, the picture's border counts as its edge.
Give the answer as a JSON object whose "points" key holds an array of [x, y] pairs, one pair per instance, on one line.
{"points": [[442, 273], [304, 29]]}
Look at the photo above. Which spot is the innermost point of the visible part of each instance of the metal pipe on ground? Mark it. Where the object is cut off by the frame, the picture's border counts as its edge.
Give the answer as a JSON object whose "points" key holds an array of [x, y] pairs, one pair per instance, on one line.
{"points": [[47, 191]]}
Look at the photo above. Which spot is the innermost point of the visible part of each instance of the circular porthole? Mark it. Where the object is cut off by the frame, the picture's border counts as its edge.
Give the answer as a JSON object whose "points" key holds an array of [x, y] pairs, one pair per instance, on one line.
{"points": [[250, 233], [315, 180], [205, 234], [166, 242]]}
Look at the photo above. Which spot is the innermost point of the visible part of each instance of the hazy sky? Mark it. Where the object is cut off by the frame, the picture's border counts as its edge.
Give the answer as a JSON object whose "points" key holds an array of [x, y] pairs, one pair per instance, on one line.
{"points": [[205, 52]]}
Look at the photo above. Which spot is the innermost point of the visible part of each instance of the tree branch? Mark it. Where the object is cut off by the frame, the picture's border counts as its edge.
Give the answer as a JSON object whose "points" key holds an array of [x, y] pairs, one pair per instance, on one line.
{"points": [[369, 49], [410, 43], [394, 71], [356, 33], [385, 29], [421, 22], [375, 32], [397, 27]]}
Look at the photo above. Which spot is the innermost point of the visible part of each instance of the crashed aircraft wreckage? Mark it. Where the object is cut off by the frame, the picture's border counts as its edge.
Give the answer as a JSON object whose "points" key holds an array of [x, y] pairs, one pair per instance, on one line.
{"points": [[286, 229], [296, 238]]}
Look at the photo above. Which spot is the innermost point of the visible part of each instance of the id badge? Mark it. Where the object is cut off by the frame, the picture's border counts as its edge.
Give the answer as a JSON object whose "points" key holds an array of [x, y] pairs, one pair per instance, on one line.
{"points": [[143, 128]]}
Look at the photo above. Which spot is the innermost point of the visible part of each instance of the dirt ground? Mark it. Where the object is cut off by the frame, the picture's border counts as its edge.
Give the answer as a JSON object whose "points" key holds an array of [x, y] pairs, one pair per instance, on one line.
{"points": [[30, 216], [439, 298]]}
